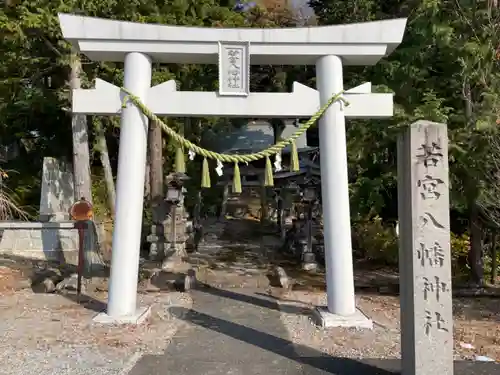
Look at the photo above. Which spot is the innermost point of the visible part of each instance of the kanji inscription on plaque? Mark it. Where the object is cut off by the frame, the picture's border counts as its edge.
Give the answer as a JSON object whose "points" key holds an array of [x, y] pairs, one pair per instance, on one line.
{"points": [[234, 69]]}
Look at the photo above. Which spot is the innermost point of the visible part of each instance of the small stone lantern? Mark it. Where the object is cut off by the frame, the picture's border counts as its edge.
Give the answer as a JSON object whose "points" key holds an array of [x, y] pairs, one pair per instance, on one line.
{"points": [[175, 181]]}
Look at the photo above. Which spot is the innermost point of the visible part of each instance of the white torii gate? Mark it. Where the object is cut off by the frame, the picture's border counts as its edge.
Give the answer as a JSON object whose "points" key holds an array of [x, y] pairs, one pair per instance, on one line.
{"points": [[328, 47]]}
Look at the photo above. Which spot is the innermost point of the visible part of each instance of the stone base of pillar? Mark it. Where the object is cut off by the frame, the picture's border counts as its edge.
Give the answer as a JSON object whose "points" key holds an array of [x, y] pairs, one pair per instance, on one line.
{"points": [[140, 316], [325, 319]]}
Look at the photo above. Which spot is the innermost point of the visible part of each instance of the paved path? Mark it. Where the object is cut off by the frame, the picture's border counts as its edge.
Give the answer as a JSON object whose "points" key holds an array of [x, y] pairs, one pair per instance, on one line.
{"points": [[236, 332]]}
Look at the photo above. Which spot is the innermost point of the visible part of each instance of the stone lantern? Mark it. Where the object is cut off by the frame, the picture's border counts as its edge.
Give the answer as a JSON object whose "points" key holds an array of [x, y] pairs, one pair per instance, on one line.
{"points": [[176, 223]]}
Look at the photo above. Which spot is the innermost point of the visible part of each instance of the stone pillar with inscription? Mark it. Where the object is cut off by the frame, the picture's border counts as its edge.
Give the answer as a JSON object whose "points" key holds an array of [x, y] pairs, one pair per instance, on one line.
{"points": [[424, 250]]}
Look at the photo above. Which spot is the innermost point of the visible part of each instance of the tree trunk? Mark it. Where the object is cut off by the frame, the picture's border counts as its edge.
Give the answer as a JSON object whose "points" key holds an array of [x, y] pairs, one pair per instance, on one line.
{"points": [[106, 165], [278, 126], [280, 219], [197, 208], [264, 212], [492, 4], [81, 154], [494, 256], [475, 256], [155, 185], [156, 172], [147, 181], [223, 206], [81, 172]]}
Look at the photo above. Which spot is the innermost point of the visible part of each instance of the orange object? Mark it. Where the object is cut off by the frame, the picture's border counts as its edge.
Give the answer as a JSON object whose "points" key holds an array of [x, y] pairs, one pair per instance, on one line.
{"points": [[82, 210]]}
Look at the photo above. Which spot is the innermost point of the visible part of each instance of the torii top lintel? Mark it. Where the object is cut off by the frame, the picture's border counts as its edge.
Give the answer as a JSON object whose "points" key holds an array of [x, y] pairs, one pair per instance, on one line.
{"points": [[110, 40]]}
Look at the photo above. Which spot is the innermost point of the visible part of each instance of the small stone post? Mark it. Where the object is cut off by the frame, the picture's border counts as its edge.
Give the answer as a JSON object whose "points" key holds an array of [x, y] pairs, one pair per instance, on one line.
{"points": [[424, 250]]}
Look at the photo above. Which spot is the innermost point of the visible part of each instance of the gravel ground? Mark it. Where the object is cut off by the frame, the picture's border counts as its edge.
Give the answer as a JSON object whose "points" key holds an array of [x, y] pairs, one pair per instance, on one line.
{"points": [[476, 323], [381, 342], [48, 334]]}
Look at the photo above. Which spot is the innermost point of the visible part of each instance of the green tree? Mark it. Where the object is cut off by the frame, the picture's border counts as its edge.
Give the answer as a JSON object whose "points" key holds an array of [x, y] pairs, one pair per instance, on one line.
{"points": [[445, 70]]}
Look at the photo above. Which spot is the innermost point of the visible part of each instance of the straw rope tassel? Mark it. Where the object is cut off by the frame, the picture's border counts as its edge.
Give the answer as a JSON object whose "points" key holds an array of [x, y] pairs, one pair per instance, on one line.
{"points": [[180, 163], [294, 162], [205, 174], [269, 178], [236, 179]]}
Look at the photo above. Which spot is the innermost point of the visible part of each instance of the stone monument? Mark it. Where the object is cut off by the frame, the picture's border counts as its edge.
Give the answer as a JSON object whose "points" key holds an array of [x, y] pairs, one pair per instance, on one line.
{"points": [[53, 238], [57, 193], [424, 250]]}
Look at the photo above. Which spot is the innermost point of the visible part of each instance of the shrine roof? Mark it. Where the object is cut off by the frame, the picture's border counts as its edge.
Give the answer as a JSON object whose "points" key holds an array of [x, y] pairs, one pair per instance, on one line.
{"points": [[110, 40], [256, 136]]}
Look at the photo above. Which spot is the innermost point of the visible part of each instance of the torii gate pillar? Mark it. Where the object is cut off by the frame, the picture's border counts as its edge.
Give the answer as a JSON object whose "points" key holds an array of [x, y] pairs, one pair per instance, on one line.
{"points": [[329, 48], [335, 190], [122, 304]]}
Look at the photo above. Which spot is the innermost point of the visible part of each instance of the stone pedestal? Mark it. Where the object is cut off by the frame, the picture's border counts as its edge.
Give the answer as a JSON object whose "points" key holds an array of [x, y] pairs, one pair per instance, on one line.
{"points": [[139, 317], [52, 241], [326, 319], [56, 242]]}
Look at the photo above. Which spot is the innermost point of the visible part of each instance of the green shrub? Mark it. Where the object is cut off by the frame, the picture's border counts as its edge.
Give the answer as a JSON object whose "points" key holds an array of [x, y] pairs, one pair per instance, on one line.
{"points": [[9, 205], [100, 198], [459, 249], [376, 241]]}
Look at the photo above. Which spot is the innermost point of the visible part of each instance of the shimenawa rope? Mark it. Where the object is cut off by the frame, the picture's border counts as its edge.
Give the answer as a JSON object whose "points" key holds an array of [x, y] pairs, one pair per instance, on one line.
{"points": [[227, 158]]}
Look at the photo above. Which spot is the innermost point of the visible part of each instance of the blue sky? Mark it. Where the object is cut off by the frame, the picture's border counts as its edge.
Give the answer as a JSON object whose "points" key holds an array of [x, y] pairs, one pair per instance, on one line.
{"points": [[303, 5]]}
